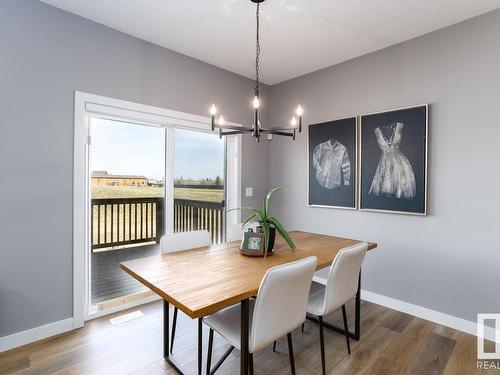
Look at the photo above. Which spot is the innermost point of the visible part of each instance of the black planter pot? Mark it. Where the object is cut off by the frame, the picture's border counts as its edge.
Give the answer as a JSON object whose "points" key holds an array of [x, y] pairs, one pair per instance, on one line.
{"points": [[272, 236]]}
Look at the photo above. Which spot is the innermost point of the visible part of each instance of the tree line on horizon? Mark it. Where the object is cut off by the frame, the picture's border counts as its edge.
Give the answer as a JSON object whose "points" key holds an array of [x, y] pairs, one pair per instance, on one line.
{"points": [[217, 181]]}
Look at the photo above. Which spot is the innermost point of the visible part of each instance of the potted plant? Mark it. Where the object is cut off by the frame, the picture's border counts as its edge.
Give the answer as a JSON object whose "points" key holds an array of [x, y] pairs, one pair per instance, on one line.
{"points": [[268, 223]]}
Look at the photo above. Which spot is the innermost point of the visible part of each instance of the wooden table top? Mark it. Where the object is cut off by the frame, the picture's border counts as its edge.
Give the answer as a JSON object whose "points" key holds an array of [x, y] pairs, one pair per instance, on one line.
{"points": [[204, 280]]}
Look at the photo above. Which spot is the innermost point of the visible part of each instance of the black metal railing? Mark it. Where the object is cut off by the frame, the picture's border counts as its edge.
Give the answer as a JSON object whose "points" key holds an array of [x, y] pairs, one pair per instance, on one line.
{"points": [[126, 221]]}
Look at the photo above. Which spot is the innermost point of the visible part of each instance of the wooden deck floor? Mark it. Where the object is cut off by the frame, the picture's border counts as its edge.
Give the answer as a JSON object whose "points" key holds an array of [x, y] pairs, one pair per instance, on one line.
{"points": [[391, 343], [109, 280]]}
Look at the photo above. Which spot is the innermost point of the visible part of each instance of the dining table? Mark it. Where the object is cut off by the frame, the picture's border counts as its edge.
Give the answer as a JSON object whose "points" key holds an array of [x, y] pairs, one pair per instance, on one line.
{"points": [[204, 280]]}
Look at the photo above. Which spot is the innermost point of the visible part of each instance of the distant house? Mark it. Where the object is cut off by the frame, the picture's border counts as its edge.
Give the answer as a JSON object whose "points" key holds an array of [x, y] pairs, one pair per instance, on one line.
{"points": [[103, 178], [156, 183]]}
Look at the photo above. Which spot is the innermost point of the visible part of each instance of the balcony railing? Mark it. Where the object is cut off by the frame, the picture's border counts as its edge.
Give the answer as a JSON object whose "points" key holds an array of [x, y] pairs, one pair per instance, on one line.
{"points": [[193, 215], [126, 221]]}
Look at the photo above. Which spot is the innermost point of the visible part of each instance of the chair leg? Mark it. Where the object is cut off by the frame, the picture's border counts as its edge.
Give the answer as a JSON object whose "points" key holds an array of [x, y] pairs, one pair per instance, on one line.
{"points": [[210, 346], [322, 344], [346, 329], [174, 324], [302, 327], [290, 352], [250, 364], [274, 347]]}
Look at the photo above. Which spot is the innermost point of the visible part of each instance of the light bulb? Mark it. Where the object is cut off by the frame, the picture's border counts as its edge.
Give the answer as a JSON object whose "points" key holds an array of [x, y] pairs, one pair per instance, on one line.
{"points": [[221, 120], [300, 111], [293, 121], [213, 110], [256, 102]]}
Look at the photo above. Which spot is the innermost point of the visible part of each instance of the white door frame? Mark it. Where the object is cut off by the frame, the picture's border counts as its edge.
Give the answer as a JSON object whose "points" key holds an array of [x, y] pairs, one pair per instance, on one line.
{"points": [[90, 105]]}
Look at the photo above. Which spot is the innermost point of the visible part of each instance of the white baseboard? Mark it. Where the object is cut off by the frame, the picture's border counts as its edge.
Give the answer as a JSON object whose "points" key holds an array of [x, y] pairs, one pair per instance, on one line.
{"points": [[35, 334], [434, 316]]}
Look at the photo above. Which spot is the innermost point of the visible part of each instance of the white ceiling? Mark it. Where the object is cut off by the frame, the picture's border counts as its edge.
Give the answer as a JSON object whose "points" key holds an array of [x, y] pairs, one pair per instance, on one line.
{"points": [[298, 36]]}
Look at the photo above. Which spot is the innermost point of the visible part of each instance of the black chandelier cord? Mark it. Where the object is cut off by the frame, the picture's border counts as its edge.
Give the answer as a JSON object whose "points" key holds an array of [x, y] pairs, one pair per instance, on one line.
{"points": [[257, 53]]}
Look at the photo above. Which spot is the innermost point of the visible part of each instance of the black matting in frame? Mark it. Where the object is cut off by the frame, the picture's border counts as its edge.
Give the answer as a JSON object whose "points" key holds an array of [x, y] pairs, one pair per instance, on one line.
{"points": [[393, 160], [332, 159]]}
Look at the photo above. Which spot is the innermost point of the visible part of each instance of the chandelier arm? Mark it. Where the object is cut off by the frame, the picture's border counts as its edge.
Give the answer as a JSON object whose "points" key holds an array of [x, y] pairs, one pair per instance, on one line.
{"points": [[278, 133], [279, 129], [235, 132], [233, 127]]}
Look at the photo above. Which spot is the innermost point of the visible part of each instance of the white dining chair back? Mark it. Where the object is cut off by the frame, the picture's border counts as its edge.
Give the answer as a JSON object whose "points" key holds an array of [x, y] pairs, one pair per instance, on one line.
{"points": [[281, 302], [342, 281], [173, 242]]}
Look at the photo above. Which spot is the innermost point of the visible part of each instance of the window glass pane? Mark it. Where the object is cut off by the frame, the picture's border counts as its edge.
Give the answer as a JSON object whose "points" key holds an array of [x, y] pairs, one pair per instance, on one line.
{"points": [[199, 183], [127, 192]]}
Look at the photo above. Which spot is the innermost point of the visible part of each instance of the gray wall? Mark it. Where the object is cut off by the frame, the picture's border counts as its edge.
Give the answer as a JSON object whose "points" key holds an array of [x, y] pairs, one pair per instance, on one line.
{"points": [[447, 261], [45, 55]]}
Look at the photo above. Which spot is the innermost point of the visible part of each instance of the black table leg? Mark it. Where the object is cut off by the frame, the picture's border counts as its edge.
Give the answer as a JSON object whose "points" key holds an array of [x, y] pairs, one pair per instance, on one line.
{"points": [[357, 316], [166, 328], [244, 336], [166, 338], [200, 344], [174, 324]]}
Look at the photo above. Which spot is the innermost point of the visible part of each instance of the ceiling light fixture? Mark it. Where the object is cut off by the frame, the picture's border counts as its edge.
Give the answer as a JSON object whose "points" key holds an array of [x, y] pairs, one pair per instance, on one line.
{"points": [[256, 129]]}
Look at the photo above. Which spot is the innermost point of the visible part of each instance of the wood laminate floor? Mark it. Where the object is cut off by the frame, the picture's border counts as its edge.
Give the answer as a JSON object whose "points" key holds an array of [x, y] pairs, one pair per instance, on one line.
{"points": [[391, 343]]}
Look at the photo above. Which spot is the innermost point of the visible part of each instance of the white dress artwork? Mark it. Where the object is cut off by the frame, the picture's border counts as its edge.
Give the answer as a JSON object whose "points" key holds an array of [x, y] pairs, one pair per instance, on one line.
{"points": [[331, 162], [394, 175]]}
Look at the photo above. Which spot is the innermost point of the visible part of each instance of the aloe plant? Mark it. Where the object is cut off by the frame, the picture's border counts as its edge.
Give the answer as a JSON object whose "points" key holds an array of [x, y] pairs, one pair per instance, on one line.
{"points": [[264, 218]]}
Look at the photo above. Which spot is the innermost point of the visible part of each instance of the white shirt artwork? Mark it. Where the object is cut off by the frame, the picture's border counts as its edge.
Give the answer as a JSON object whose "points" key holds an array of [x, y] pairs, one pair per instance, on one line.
{"points": [[331, 162], [394, 175]]}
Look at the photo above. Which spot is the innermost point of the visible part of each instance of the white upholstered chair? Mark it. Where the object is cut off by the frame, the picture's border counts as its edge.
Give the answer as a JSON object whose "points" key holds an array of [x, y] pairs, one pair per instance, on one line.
{"points": [[341, 286], [279, 308], [173, 242]]}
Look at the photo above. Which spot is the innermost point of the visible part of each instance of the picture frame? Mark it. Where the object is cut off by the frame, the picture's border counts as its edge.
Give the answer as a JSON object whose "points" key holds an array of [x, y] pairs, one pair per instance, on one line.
{"points": [[332, 165], [252, 243], [393, 160]]}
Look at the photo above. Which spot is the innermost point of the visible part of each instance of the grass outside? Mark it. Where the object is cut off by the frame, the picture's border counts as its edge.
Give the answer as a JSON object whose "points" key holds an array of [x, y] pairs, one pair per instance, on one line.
{"points": [[207, 195]]}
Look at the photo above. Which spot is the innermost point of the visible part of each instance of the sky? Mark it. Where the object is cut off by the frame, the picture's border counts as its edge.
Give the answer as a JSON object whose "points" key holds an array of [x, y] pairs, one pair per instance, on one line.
{"points": [[122, 148]]}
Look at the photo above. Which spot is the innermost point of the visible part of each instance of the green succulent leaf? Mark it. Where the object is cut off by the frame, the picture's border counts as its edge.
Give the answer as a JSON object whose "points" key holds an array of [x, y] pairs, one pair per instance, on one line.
{"points": [[282, 231], [262, 217], [268, 197], [249, 220]]}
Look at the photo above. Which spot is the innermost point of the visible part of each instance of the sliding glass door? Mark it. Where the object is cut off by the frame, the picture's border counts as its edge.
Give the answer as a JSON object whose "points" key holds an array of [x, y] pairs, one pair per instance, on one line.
{"points": [[132, 169]]}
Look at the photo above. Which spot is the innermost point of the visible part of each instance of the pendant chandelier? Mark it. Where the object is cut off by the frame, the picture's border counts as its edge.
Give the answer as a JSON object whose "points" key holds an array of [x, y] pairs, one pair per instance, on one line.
{"points": [[256, 129]]}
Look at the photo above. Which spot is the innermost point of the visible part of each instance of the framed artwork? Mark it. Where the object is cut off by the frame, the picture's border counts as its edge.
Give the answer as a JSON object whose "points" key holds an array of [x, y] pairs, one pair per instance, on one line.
{"points": [[332, 164], [393, 161]]}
